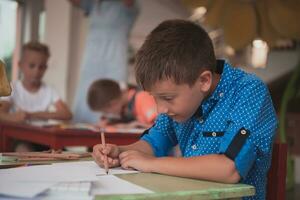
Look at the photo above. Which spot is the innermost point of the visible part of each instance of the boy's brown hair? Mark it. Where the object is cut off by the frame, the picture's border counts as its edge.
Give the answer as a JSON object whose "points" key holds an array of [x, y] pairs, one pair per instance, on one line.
{"points": [[36, 46], [102, 92], [176, 49]]}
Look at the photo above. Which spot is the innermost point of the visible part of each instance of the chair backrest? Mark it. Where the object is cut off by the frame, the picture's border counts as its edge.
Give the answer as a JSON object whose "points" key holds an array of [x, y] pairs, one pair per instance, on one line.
{"points": [[277, 173]]}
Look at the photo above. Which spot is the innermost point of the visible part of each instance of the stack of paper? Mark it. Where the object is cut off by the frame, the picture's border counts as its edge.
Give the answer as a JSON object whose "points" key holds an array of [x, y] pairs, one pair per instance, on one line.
{"points": [[30, 181]]}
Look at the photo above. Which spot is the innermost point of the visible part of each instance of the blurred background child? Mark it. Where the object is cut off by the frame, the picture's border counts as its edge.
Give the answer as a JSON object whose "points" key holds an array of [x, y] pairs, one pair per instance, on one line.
{"points": [[125, 105], [31, 98]]}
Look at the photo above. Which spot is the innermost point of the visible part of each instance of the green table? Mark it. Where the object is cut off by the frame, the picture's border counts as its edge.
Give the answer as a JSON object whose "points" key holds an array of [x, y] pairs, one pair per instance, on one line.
{"points": [[175, 188], [169, 187]]}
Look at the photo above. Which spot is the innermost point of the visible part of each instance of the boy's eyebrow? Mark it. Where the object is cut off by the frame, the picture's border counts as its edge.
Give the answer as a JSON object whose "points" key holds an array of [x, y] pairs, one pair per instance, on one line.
{"points": [[163, 94]]}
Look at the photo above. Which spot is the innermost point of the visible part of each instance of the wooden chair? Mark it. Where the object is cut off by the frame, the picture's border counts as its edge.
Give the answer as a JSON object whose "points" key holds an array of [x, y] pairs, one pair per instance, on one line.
{"points": [[277, 173]]}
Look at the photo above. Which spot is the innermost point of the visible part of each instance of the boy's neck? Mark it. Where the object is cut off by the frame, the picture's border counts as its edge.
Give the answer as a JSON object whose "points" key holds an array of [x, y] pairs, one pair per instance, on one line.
{"points": [[31, 87]]}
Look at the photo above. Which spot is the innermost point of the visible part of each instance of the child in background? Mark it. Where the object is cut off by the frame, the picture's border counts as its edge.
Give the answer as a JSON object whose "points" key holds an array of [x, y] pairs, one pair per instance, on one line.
{"points": [[221, 117], [31, 98], [128, 104]]}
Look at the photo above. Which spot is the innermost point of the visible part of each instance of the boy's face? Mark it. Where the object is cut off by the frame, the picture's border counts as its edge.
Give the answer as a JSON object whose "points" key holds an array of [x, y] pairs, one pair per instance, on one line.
{"points": [[180, 102], [33, 66]]}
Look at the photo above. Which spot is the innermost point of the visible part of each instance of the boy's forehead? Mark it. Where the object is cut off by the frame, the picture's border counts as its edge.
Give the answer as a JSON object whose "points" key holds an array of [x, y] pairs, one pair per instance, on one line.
{"points": [[165, 86], [31, 51], [28, 53]]}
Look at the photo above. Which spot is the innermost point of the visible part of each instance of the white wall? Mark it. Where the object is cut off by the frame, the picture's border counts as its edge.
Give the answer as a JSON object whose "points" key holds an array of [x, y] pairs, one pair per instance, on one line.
{"points": [[79, 29], [57, 36], [152, 12]]}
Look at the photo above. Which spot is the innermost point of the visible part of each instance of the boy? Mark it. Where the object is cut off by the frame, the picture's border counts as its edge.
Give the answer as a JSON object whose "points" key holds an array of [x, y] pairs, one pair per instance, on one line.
{"points": [[126, 103], [221, 117], [31, 99]]}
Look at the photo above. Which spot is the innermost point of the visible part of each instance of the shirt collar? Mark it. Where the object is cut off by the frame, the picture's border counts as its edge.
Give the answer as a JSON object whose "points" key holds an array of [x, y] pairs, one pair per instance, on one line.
{"points": [[223, 86], [225, 80]]}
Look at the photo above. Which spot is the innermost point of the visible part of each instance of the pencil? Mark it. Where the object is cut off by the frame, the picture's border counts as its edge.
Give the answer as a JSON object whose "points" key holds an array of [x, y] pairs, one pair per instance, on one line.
{"points": [[105, 156]]}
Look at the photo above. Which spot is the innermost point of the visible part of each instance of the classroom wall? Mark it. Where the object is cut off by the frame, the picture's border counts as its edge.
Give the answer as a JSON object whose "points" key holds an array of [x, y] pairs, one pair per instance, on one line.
{"points": [[151, 14], [57, 36], [79, 29]]}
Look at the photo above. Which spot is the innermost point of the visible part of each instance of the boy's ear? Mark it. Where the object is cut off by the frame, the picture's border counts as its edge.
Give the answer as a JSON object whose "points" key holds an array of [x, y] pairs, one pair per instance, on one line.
{"points": [[205, 80]]}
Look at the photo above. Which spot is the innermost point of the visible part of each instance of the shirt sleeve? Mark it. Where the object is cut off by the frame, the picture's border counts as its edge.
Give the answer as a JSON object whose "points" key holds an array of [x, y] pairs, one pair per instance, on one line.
{"points": [[161, 136], [252, 125]]}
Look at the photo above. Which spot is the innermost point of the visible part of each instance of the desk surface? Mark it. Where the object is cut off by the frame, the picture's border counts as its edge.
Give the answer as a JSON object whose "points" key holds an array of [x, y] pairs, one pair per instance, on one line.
{"points": [[56, 137], [173, 188]]}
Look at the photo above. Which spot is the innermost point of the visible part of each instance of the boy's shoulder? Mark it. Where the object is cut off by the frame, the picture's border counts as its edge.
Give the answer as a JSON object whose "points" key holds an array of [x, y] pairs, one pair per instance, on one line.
{"points": [[246, 79], [18, 85], [44, 89]]}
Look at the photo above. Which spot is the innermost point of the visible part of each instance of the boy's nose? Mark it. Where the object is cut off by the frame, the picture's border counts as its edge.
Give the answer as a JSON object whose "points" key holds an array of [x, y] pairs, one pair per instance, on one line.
{"points": [[39, 71], [162, 109]]}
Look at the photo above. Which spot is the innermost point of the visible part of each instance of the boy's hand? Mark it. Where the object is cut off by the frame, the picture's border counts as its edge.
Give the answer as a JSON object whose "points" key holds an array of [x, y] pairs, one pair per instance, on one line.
{"points": [[112, 151], [136, 160]]}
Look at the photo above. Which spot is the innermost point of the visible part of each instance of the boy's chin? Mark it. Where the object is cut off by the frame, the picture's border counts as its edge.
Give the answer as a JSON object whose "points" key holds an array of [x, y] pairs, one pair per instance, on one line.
{"points": [[178, 119], [35, 81]]}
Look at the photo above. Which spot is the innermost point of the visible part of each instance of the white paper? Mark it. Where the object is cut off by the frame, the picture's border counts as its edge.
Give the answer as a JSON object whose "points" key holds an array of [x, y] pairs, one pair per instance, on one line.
{"points": [[29, 181], [24, 189], [48, 173], [56, 172], [44, 123], [94, 168], [110, 184]]}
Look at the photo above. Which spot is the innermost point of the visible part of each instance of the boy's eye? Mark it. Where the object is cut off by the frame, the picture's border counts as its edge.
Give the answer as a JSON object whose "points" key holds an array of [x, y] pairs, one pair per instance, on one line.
{"points": [[167, 98], [42, 66], [31, 65]]}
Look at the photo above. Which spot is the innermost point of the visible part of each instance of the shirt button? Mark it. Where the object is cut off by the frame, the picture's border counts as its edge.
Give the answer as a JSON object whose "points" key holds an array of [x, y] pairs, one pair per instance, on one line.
{"points": [[201, 120], [221, 94], [243, 132], [194, 147], [214, 134]]}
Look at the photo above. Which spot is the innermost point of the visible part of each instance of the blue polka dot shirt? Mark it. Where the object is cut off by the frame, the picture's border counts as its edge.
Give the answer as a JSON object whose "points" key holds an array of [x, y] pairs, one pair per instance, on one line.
{"points": [[237, 120]]}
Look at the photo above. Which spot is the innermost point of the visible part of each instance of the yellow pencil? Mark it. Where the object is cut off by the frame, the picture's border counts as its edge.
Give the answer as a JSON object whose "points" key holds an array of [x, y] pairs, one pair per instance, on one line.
{"points": [[105, 157]]}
